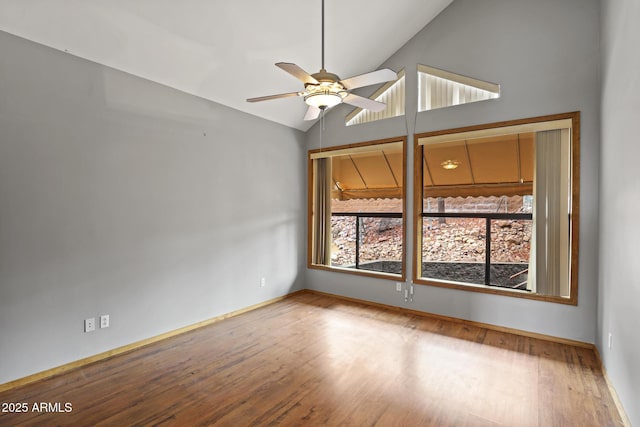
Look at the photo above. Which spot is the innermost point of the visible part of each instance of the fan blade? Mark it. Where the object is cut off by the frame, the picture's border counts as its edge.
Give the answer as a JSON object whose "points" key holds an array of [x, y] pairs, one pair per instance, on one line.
{"points": [[282, 95], [312, 113], [366, 103], [368, 79], [297, 72]]}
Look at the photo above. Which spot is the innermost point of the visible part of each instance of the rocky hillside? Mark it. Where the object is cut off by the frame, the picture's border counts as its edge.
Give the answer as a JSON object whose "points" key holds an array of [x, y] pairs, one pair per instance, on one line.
{"points": [[450, 240]]}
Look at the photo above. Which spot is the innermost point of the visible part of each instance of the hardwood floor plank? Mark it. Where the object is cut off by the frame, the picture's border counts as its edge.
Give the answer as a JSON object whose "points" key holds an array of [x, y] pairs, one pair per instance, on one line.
{"points": [[316, 360]]}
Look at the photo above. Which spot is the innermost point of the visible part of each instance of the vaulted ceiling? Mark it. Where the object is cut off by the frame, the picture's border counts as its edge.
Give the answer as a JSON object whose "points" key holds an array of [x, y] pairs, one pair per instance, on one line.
{"points": [[224, 51]]}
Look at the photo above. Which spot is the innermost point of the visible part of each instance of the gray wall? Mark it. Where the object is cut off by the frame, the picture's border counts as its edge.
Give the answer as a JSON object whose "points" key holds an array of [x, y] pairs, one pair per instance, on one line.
{"points": [[619, 301], [123, 197], [545, 55]]}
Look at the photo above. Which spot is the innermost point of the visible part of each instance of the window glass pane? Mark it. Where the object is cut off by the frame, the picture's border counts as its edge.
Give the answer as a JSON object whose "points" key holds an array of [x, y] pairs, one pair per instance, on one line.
{"points": [[480, 204], [371, 239], [391, 94], [510, 253], [343, 241], [453, 249], [439, 88], [381, 244]]}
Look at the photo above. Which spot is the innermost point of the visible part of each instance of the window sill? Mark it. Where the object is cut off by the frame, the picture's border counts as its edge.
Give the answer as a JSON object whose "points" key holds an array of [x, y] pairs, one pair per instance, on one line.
{"points": [[366, 273], [469, 287]]}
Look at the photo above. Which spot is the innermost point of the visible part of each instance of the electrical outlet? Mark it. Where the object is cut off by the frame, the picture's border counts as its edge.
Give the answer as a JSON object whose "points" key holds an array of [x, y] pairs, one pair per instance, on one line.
{"points": [[263, 281], [398, 286], [104, 321], [90, 324], [610, 340]]}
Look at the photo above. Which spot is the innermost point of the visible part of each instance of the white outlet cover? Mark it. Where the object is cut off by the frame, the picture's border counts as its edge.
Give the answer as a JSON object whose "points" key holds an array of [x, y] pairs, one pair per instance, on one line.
{"points": [[104, 321], [90, 324]]}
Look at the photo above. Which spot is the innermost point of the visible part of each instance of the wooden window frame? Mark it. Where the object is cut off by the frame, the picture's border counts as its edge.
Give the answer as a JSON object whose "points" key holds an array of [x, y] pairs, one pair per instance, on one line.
{"points": [[310, 217], [574, 117]]}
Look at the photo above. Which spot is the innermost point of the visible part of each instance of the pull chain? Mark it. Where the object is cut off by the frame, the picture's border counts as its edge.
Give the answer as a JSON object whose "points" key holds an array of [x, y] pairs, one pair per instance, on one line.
{"points": [[321, 126]]}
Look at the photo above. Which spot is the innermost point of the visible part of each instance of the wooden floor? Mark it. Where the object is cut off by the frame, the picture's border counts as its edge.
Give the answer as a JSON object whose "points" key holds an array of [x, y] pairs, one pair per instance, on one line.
{"points": [[316, 360]]}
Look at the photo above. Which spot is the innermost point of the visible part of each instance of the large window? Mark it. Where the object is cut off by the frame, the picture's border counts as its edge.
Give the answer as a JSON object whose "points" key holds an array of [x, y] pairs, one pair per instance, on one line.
{"points": [[497, 208], [356, 208]]}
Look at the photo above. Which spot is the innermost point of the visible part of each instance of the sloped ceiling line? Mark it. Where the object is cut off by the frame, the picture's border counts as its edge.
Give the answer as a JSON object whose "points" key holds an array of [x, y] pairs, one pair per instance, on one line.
{"points": [[466, 150], [425, 165], [364, 182], [395, 179]]}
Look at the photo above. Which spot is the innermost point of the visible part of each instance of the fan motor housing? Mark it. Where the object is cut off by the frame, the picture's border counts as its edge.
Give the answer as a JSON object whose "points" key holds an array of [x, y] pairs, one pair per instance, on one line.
{"points": [[324, 77], [328, 83]]}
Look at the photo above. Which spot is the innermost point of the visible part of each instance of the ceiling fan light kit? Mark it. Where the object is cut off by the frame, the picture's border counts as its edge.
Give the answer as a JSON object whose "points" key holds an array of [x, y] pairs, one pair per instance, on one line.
{"points": [[323, 100], [324, 90], [328, 92]]}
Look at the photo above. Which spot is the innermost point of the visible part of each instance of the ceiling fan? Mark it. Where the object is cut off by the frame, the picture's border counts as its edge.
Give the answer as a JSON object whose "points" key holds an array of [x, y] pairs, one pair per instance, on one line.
{"points": [[323, 90]]}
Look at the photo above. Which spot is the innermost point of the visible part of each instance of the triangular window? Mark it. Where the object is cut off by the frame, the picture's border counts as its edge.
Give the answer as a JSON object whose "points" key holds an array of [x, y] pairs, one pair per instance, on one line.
{"points": [[391, 94], [438, 89]]}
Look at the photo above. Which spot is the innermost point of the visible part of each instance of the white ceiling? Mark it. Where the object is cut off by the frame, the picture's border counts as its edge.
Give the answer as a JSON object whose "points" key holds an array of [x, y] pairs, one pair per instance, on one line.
{"points": [[225, 51]]}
